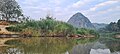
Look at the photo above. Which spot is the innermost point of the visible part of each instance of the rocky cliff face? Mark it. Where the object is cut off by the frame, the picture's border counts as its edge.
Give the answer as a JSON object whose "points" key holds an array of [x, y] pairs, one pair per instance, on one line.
{"points": [[80, 21]]}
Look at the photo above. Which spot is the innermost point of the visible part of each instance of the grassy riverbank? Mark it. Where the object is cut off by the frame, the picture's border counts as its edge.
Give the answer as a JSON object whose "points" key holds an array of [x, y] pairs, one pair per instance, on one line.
{"points": [[49, 27]]}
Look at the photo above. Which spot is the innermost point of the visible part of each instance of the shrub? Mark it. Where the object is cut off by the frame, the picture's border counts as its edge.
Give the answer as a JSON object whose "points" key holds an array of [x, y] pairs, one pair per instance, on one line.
{"points": [[84, 31], [14, 29], [30, 32]]}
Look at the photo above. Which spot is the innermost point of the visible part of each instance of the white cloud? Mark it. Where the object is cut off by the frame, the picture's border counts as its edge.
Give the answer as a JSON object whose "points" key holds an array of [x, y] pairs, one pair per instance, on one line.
{"points": [[81, 3], [113, 9], [103, 4], [105, 16], [78, 4], [16, 0], [58, 9], [56, 2], [29, 2]]}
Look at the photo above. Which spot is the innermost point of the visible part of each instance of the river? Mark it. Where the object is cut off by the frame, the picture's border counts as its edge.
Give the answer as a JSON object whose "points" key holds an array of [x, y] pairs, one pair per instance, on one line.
{"points": [[60, 45]]}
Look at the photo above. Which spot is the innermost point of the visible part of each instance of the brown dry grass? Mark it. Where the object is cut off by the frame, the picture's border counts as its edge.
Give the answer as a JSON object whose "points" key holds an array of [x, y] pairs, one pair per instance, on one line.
{"points": [[3, 30]]}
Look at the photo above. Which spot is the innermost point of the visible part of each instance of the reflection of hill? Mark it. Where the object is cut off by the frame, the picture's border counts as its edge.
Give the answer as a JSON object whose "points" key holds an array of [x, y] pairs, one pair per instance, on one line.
{"points": [[99, 48], [2, 49], [112, 44], [82, 49], [98, 45], [100, 51]]}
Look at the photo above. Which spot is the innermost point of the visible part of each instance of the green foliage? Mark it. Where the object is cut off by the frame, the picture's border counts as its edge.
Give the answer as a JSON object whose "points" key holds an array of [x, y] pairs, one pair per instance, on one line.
{"points": [[46, 27], [49, 27], [63, 28], [86, 40], [118, 23], [30, 32], [14, 29], [112, 27], [10, 9], [84, 31]]}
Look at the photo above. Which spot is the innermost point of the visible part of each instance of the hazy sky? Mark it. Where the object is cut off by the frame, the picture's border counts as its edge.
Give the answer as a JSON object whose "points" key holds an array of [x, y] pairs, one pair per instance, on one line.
{"points": [[99, 11]]}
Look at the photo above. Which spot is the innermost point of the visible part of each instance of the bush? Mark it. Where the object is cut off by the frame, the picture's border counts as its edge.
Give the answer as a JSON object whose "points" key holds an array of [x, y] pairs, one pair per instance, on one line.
{"points": [[14, 29], [30, 32], [84, 31]]}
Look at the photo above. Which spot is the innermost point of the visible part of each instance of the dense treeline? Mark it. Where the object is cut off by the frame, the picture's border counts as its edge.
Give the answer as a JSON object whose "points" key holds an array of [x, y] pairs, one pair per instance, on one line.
{"points": [[112, 27], [44, 27], [49, 27]]}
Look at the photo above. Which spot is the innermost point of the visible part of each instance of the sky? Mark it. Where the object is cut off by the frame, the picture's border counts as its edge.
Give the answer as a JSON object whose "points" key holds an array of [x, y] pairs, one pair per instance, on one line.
{"points": [[97, 11]]}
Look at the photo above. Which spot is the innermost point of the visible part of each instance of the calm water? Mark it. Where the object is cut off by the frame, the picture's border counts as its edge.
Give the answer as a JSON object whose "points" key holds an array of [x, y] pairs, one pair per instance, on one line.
{"points": [[61, 46]]}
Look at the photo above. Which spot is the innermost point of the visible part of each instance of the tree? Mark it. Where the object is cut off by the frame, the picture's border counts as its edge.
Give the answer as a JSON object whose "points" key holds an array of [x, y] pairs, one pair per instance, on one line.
{"points": [[112, 27], [63, 29], [82, 31], [118, 23], [10, 9]]}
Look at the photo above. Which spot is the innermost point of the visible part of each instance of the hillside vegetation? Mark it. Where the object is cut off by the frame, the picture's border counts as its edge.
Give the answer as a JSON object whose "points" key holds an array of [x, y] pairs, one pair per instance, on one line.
{"points": [[49, 27], [112, 27]]}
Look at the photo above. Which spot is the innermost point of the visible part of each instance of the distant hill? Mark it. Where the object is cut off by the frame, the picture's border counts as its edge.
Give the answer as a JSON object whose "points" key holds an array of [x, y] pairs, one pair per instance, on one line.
{"points": [[78, 20], [99, 25]]}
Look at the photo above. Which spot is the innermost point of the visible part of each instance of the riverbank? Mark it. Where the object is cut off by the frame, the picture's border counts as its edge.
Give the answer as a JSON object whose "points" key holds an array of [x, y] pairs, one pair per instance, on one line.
{"points": [[3, 30]]}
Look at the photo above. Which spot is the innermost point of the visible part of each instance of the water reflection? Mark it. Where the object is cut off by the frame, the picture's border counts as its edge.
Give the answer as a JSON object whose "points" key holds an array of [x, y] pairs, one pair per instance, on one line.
{"points": [[14, 51], [112, 44], [100, 51], [99, 48], [44, 45], [104, 46], [60, 46], [82, 49]]}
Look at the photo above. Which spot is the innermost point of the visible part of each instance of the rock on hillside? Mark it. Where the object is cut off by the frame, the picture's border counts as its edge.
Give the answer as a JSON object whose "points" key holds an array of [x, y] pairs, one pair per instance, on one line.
{"points": [[78, 20]]}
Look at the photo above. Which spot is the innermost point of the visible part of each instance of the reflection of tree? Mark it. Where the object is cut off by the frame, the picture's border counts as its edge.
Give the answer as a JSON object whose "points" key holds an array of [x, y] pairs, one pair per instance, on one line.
{"points": [[14, 51], [46, 45], [86, 40], [84, 46], [9, 50], [49, 45], [112, 44], [2, 49]]}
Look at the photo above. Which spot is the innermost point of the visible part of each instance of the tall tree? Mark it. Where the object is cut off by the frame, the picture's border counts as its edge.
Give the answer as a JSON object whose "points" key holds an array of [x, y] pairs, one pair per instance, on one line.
{"points": [[118, 23], [10, 9], [113, 27]]}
